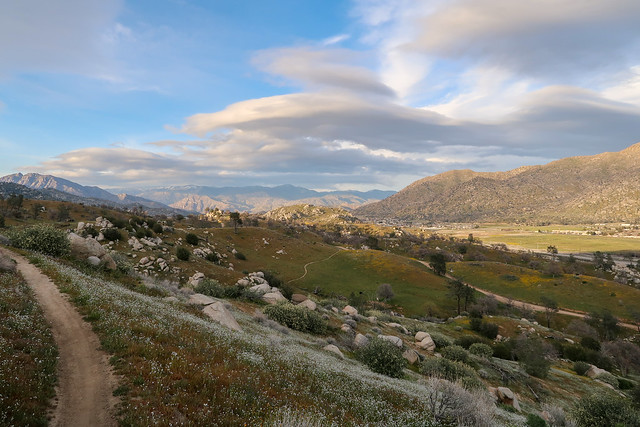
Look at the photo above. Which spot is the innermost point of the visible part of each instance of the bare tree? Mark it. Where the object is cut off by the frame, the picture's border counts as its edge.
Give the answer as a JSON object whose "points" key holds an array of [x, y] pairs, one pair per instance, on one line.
{"points": [[385, 291], [550, 307]]}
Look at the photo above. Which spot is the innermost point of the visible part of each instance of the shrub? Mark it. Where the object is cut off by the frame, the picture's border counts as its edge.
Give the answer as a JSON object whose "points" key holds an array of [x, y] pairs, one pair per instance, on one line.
{"points": [[382, 357], [441, 341], [450, 370], [534, 420], [604, 409], [240, 256], [625, 384], [112, 234], [191, 239], [141, 233], [465, 341], [489, 330], [475, 323], [456, 353], [532, 354], [212, 256], [581, 368], [41, 238], [503, 350], [608, 378], [1, 221], [479, 349], [296, 317], [215, 289], [451, 404], [122, 263], [157, 228], [183, 254], [574, 352], [590, 343]]}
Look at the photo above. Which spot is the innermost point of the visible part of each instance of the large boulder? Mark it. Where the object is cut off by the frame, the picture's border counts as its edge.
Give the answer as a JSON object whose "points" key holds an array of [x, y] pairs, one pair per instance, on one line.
{"points": [[273, 297], [399, 327], [7, 263], [334, 349], [594, 371], [411, 356], [427, 344], [298, 298], [261, 289], [421, 335], [351, 311], [86, 248], [508, 397], [4, 240], [200, 299], [308, 304], [219, 313], [392, 339]]}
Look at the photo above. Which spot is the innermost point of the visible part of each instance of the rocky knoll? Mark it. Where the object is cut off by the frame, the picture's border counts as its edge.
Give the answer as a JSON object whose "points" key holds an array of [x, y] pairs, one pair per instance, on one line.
{"points": [[600, 188]]}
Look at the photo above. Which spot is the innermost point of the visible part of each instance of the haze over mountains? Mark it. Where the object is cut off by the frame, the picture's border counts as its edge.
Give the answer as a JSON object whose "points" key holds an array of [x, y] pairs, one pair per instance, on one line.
{"points": [[196, 198], [587, 189]]}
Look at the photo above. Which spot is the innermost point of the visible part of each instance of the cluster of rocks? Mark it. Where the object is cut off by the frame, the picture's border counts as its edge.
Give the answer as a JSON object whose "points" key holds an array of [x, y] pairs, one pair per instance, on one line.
{"points": [[90, 250], [257, 284], [195, 280], [303, 301], [425, 342], [139, 244], [150, 264]]}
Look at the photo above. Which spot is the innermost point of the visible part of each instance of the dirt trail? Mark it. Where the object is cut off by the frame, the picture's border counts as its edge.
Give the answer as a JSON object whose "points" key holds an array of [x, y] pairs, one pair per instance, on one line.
{"points": [[526, 305], [85, 381], [315, 262]]}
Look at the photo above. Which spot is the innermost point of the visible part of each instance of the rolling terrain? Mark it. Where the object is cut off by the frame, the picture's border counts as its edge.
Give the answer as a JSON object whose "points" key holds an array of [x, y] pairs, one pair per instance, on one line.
{"points": [[587, 189]]}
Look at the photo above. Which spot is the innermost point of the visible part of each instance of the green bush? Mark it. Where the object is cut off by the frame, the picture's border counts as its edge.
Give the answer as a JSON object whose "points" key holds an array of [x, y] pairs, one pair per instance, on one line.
{"points": [[441, 341], [503, 350], [489, 330], [1, 221], [112, 234], [455, 353], [41, 238], [625, 384], [450, 370], [581, 368], [574, 352], [296, 317], [157, 228], [590, 343], [483, 350], [122, 263], [604, 409], [183, 253], [191, 239], [465, 341], [534, 420], [215, 289], [532, 356], [382, 357], [240, 256], [213, 257]]}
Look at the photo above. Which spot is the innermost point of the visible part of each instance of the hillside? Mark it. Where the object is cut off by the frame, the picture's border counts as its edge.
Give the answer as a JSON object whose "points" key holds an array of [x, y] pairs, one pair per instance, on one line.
{"points": [[257, 198], [587, 189], [310, 214]]}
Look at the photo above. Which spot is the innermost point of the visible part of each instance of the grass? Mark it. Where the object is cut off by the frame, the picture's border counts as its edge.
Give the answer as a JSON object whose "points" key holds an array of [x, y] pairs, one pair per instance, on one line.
{"points": [[180, 368], [28, 356], [417, 290], [566, 242], [567, 290]]}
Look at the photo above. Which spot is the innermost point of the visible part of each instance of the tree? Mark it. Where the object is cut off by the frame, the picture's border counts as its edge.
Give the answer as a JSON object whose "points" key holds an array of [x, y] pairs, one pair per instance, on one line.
{"points": [[35, 210], [438, 264], [63, 213], [625, 355], [534, 354], [550, 307], [235, 218], [461, 292], [385, 291], [553, 251], [602, 262]]}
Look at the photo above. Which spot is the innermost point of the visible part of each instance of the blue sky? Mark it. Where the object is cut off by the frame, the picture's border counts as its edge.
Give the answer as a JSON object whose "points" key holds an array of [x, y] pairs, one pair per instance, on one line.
{"points": [[325, 94]]}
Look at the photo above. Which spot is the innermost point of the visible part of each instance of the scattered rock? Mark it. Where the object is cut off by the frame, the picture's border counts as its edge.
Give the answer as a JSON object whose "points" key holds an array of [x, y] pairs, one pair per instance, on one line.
{"points": [[360, 341], [427, 344], [346, 328], [196, 279], [298, 298], [219, 313], [200, 299], [7, 263], [309, 304], [594, 371], [333, 349], [398, 326], [411, 355], [351, 311], [273, 297], [508, 397], [93, 260], [392, 339]]}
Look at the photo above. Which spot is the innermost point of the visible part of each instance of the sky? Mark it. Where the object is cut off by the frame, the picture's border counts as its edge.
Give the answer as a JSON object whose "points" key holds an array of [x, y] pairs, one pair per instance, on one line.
{"points": [[325, 94]]}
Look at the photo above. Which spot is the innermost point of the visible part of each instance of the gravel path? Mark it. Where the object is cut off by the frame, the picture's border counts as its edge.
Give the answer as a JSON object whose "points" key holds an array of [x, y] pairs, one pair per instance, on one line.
{"points": [[84, 395]]}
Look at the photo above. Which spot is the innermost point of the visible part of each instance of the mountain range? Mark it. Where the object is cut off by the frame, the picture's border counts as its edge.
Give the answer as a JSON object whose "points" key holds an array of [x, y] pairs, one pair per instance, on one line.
{"points": [[586, 189], [188, 199]]}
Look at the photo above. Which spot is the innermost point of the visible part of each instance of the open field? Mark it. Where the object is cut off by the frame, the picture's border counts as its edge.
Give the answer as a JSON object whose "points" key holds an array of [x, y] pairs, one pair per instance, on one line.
{"points": [[583, 293], [530, 238]]}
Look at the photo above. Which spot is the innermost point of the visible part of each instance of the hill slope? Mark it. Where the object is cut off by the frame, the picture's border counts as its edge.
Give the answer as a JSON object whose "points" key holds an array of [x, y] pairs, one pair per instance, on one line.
{"points": [[600, 188]]}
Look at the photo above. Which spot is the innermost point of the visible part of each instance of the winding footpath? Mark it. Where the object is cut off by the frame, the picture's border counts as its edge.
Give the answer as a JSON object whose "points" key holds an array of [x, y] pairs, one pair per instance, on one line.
{"points": [[315, 262], [84, 395], [526, 305]]}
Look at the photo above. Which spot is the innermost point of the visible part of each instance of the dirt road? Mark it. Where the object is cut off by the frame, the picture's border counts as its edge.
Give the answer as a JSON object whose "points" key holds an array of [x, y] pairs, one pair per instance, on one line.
{"points": [[526, 305], [85, 381]]}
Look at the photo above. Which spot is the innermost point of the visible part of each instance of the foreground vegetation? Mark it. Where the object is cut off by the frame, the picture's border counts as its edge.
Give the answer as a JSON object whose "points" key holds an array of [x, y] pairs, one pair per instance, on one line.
{"points": [[28, 356]]}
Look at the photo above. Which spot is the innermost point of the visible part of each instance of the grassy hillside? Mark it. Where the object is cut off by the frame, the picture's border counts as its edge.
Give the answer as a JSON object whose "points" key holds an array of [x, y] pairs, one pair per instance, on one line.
{"points": [[582, 293]]}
